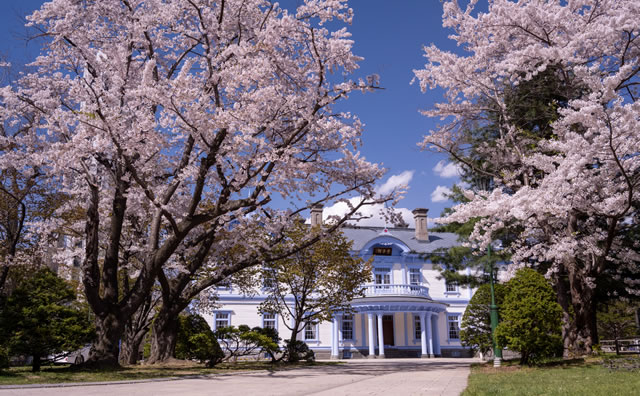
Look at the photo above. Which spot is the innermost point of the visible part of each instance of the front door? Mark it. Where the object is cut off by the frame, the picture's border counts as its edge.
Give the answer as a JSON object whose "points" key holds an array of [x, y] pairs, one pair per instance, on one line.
{"points": [[387, 330]]}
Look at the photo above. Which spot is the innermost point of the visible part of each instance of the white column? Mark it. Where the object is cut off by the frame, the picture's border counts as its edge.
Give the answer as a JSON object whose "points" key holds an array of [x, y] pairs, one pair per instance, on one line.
{"points": [[380, 337], [429, 337], [334, 338], [436, 335], [372, 341], [423, 336]]}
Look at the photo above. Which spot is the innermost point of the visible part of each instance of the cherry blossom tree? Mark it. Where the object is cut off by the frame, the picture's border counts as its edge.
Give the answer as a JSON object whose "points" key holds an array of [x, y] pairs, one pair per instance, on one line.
{"points": [[572, 190], [175, 123]]}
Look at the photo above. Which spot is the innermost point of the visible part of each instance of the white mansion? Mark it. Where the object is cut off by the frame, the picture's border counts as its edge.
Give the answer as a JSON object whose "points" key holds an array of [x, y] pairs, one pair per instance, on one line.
{"points": [[406, 311]]}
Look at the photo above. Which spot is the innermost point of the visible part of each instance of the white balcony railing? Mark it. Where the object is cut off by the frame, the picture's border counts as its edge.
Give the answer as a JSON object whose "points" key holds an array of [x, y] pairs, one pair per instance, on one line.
{"points": [[396, 290]]}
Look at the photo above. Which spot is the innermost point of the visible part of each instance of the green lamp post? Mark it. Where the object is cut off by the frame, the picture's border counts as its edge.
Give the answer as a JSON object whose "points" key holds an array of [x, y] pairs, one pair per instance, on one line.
{"points": [[497, 350]]}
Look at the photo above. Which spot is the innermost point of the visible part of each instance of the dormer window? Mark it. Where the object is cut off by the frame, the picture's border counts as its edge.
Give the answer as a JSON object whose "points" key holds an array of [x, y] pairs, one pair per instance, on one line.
{"points": [[382, 251]]}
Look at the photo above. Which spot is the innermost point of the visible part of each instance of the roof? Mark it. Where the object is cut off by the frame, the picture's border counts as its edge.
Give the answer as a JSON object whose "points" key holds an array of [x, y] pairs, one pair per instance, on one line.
{"points": [[363, 235]]}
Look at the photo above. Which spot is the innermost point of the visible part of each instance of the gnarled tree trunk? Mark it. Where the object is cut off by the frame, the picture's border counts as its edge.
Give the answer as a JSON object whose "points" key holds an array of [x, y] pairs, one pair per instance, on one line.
{"points": [[164, 335], [105, 349]]}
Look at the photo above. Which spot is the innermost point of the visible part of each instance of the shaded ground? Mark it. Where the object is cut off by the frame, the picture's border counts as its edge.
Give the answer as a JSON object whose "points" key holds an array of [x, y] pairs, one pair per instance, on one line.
{"points": [[439, 376]]}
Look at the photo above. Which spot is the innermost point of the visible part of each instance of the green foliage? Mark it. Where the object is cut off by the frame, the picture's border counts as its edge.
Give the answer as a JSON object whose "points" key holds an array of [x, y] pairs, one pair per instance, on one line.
{"points": [[617, 320], [41, 317], [475, 329], [242, 341], [196, 341], [270, 348], [297, 351], [4, 357], [530, 318]]}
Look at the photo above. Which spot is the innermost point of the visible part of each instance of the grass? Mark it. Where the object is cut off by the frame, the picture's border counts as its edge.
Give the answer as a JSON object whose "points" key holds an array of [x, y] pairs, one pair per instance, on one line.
{"points": [[66, 373], [559, 377]]}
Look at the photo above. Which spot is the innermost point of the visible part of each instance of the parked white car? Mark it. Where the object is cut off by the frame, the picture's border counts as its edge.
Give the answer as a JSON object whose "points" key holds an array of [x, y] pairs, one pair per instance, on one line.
{"points": [[75, 357]]}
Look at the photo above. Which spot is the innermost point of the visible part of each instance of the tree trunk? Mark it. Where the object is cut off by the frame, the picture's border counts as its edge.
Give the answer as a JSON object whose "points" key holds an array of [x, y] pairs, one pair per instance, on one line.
{"points": [[130, 347], [36, 363], [164, 335], [136, 327], [583, 302], [582, 299], [105, 350], [292, 353], [563, 297], [4, 273]]}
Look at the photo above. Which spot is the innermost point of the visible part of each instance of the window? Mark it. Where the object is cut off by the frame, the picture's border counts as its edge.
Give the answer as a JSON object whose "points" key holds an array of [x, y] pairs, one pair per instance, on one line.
{"points": [[269, 321], [268, 278], [347, 327], [311, 331], [453, 323], [382, 276], [382, 251], [221, 319], [417, 327], [414, 276], [451, 287]]}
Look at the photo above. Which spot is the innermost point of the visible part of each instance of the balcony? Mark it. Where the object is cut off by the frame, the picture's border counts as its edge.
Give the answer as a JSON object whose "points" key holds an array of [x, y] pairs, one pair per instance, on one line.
{"points": [[396, 290]]}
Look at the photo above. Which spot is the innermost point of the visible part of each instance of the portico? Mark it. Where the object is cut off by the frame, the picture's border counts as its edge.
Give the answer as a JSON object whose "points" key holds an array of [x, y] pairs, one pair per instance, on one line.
{"points": [[378, 315]]}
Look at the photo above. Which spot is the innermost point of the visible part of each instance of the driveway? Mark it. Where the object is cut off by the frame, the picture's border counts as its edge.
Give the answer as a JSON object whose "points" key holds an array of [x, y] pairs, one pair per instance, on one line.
{"points": [[439, 376]]}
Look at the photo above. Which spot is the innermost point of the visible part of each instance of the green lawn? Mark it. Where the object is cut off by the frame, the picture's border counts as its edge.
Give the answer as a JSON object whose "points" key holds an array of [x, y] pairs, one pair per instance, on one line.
{"points": [[65, 373], [577, 377]]}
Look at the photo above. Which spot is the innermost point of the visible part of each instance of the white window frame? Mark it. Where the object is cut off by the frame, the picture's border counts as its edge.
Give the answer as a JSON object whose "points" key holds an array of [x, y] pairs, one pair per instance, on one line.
{"points": [[455, 286], [312, 326], [348, 318], [453, 318], [264, 284], [415, 271], [274, 320], [417, 327], [383, 272], [215, 318]]}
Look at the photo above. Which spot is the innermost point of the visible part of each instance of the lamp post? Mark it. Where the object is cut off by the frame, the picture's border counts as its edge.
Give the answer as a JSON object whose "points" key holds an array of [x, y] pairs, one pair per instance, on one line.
{"points": [[497, 351]]}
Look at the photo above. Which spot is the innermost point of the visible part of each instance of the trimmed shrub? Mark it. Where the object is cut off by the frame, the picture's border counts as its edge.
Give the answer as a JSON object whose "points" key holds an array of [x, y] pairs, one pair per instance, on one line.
{"points": [[530, 318], [196, 341]]}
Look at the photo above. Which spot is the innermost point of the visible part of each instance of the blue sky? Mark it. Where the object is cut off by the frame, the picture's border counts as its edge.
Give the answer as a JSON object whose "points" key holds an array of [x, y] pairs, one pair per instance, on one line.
{"points": [[390, 36]]}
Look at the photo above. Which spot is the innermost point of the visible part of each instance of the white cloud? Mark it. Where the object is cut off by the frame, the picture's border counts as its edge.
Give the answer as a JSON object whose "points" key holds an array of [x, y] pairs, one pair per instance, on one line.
{"points": [[447, 170], [369, 216], [439, 194], [396, 181]]}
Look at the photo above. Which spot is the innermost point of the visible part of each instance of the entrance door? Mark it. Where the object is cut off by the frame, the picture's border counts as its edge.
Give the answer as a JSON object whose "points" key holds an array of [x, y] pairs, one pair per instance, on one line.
{"points": [[387, 330]]}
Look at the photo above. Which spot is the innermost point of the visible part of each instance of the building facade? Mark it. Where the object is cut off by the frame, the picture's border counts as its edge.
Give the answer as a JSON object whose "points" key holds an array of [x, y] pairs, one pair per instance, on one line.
{"points": [[406, 312]]}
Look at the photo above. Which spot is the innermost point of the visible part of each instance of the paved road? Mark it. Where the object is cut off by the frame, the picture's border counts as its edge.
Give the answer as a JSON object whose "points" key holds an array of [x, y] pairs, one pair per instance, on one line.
{"points": [[431, 377]]}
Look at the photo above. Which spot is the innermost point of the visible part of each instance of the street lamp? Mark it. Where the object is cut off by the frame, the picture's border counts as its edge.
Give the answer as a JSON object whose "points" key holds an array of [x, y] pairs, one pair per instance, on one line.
{"points": [[493, 309]]}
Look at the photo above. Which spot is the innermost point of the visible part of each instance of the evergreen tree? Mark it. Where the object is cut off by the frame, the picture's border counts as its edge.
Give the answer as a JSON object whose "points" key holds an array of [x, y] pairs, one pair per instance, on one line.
{"points": [[475, 329], [41, 318]]}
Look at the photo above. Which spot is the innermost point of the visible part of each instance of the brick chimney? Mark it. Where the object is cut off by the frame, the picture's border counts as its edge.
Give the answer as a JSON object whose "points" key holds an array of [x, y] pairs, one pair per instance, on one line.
{"points": [[316, 215], [420, 217]]}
